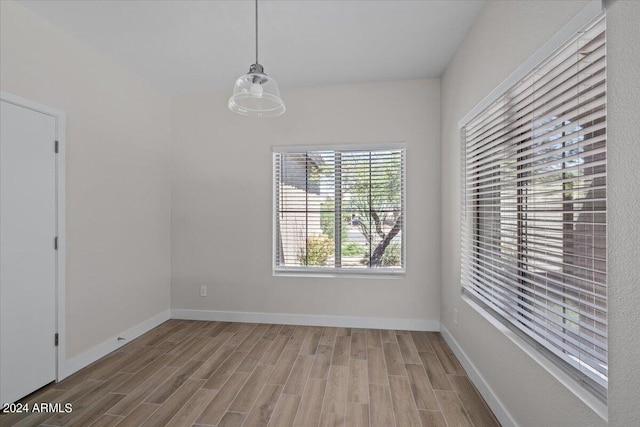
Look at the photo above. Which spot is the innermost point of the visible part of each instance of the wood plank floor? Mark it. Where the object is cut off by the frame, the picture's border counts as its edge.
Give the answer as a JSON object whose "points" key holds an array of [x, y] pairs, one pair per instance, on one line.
{"points": [[190, 373]]}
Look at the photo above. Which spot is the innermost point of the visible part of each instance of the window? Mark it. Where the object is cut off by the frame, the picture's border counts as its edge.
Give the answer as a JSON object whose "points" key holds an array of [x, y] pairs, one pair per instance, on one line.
{"points": [[534, 214], [339, 210]]}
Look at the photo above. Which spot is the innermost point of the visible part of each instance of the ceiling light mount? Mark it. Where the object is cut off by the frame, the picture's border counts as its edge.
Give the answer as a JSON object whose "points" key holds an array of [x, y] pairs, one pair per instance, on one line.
{"points": [[256, 69], [255, 93]]}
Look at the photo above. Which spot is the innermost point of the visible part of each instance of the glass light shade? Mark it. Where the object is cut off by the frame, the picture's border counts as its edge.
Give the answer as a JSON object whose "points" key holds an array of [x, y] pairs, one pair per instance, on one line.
{"points": [[256, 94]]}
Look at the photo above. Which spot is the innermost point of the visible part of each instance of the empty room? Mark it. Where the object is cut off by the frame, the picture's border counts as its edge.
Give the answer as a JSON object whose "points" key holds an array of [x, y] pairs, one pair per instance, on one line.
{"points": [[319, 213]]}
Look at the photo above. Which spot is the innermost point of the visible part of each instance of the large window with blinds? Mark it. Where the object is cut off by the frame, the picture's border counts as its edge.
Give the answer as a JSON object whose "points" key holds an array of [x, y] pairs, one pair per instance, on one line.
{"points": [[339, 210], [534, 215]]}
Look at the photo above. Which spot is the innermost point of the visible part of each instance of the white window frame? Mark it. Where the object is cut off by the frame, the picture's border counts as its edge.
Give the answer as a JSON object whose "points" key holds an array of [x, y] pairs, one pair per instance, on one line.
{"points": [[340, 272], [590, 13]]}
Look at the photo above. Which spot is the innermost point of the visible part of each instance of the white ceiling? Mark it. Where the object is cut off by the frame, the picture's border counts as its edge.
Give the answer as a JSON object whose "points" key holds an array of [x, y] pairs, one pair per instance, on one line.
{"points": [[203, 46]]}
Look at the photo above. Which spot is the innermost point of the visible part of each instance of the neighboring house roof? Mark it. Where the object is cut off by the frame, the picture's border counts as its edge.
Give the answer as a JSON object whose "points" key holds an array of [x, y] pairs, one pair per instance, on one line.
{"points": [[296, 168]]}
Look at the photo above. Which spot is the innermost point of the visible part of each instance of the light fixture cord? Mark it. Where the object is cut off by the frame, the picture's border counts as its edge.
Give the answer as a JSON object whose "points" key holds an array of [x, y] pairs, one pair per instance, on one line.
{"points": [[257, 32]]}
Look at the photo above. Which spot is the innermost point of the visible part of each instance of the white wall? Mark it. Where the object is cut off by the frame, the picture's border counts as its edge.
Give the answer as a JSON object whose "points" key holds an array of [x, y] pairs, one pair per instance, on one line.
{"points": [[504, 34], [222, 200], [118, 199], [623, 199]]}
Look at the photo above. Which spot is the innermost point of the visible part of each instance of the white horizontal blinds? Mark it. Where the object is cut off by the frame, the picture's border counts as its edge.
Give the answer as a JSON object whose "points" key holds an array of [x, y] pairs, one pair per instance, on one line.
{"points": [[304, 199], [372, 208], [344, 202], [534, 226]]}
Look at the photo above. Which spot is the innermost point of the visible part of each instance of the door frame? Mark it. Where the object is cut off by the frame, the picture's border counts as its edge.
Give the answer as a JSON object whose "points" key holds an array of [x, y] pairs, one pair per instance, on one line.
{"points": [[60, 120]]}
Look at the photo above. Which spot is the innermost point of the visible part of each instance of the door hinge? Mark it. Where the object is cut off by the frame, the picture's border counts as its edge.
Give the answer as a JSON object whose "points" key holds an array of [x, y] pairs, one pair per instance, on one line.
{"points": [[56, 147], [56, 339], [55, 243]]}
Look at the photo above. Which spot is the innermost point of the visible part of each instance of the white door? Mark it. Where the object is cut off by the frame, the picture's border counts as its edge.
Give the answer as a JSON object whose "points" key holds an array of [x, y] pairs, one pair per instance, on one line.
{"points": [[27, 252]]}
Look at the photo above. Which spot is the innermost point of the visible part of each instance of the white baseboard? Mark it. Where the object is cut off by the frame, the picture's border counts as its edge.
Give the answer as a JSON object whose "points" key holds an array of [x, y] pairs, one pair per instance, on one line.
{"points": [[308, 320], [88, 357], [496, 405]]}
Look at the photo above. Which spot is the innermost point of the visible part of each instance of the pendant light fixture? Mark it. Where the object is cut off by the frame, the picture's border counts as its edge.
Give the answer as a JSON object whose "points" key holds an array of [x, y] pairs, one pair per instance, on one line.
{"points": [[255, 93]]}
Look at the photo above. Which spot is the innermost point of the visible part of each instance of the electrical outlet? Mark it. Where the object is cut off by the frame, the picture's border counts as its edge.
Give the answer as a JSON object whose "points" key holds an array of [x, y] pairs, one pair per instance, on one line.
{"points": [[203, 291], [455, 316]]}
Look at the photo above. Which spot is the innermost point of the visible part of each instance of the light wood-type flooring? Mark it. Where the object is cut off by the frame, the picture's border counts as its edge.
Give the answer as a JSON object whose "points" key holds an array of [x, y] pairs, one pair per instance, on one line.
{"points": [[191, 373]]}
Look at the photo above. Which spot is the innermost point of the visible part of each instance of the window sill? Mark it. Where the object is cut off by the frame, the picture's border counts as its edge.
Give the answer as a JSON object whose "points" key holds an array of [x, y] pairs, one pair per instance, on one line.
{"points": [[591, 401], [341, 274]]}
